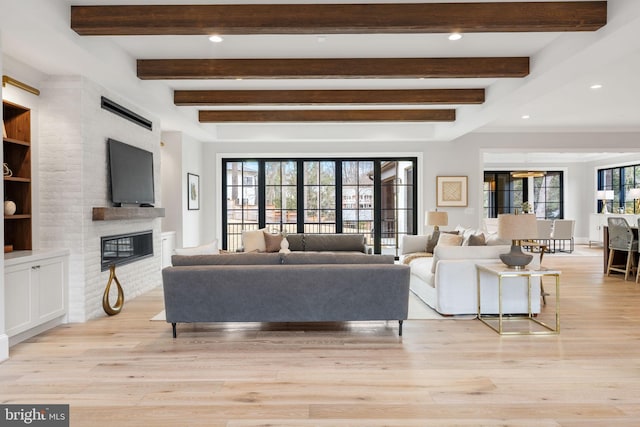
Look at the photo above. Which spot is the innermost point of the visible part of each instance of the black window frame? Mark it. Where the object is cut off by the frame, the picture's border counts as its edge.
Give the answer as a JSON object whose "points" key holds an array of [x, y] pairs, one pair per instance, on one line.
{"points": [[377, 161]]}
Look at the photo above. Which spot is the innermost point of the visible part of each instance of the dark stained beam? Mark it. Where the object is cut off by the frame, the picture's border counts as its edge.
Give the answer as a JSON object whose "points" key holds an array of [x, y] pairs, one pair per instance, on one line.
{"points": [[211, 116], [339, 18], [311, 97], [159, 69]]}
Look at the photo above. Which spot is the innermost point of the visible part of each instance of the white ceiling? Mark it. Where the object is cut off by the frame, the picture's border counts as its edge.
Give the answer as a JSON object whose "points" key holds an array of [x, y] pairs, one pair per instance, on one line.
{"points": [[555, 95]]}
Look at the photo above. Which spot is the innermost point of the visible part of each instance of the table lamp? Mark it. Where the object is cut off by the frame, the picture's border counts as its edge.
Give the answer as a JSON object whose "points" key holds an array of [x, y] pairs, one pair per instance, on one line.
{"points": [[517, 228], [634, 194], [605, 195], [436, 219]]}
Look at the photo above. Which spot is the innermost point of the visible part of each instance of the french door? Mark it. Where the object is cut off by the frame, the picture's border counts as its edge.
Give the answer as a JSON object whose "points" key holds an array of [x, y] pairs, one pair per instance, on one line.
{"points": [[374, 197]]}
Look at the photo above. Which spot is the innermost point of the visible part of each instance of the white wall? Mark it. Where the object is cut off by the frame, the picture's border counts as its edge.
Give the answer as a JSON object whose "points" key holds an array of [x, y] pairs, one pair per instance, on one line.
{"points": [[192, 162], [171, 182], [182, 154]]}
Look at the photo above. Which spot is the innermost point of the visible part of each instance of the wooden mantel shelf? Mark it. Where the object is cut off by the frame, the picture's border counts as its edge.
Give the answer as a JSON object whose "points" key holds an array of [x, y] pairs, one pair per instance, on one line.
{"points": [[113, 214]]}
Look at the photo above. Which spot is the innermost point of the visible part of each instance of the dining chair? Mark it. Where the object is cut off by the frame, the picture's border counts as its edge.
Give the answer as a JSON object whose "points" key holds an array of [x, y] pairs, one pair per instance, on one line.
{"points": [[621, 239], [545, 228], [562, 233]]}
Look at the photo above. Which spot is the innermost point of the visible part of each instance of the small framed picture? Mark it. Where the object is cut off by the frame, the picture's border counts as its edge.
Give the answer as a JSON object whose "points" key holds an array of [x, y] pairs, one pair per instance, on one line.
{"points": [[4, 131], [451, 190], [193, 192]]}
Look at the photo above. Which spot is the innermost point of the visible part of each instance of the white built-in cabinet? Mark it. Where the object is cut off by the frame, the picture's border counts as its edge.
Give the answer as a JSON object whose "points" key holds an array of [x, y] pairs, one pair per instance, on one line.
{"points": [[35, 290], [597, 221]]}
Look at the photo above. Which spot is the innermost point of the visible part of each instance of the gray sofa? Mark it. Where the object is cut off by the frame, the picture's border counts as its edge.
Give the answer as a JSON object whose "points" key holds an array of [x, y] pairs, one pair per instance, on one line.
{"points": [[293, 287]]}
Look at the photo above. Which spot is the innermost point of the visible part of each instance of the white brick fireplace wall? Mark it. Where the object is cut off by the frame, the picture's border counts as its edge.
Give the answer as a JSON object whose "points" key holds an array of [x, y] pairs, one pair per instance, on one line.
{"points": [[73, 179]]}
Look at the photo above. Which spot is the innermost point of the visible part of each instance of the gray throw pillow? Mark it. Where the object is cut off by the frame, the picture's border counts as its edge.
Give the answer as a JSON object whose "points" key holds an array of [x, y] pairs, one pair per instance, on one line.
{"points": [[433, 241], [477, 240]]}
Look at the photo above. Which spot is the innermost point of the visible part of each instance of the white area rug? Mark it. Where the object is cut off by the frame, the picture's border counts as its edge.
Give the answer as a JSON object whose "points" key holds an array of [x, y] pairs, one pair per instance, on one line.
{"points": [[418, 310]]}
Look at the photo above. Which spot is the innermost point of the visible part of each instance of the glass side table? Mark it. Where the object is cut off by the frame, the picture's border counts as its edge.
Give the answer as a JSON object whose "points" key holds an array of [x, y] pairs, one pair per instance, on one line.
{"points": [[504, 273]]}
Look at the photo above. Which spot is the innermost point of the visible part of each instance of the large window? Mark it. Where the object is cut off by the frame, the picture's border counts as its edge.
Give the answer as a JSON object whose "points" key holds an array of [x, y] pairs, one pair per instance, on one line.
{"points": [[505, 194], [620, 180], [374, 197]]}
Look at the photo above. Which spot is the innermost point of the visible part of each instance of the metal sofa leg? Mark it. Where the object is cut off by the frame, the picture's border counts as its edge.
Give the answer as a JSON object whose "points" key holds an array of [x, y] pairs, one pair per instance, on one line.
{"points": [[400, 328], [175, 333]]}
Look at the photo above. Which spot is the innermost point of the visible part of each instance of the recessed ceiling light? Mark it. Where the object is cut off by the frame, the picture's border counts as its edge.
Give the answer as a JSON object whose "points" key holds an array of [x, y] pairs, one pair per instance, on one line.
{"points": [[215, 39], [455, 36], [322, 39], [596, 86], [526, 116]]}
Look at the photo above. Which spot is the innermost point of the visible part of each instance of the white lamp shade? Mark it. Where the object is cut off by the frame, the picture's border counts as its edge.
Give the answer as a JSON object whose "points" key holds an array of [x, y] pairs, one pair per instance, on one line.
{"points": [[634, 194], [605, 194], [437, 218], [517, 227]]}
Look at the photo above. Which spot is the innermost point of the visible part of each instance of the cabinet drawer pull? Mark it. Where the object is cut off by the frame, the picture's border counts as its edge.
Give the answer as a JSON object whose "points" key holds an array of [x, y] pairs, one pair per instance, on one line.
{"points": [[35, 267]]}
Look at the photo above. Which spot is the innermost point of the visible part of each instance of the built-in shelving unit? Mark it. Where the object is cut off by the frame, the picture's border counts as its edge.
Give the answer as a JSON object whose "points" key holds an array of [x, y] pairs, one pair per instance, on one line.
{"points": [[16, 148], [114, 214]]}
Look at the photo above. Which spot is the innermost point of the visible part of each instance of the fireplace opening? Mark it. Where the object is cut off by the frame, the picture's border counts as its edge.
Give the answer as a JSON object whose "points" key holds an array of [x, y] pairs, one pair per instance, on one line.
{"points": [[126, 248]]}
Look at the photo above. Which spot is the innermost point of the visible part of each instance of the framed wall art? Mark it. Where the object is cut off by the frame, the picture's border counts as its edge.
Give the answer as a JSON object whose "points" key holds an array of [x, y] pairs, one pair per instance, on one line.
{"points": [[451, 190], [193, 191]]}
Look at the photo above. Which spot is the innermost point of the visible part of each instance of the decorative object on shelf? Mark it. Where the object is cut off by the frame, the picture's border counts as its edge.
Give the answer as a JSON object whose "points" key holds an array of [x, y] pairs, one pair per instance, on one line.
{"points": [[516, 228], [8, 248], [193, 191], [527, 207], [5, 170], [451, 191], [436, 219], [9, 207], [634, 194], [112, 310], [4, 132], [605, 195]]}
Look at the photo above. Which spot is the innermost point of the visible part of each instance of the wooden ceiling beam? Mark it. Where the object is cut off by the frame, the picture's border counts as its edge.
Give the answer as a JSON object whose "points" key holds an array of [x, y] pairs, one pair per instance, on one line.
{"points": [[339, 18], [258, 116], [340, 68], [311, 97]]}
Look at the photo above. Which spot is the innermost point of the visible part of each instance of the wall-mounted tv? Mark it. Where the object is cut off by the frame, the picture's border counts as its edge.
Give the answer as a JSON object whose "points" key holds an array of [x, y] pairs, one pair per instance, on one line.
{"points": [[130, 174]]}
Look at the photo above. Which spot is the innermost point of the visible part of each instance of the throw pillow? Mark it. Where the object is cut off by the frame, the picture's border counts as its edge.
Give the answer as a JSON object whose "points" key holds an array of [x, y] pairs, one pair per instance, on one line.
{"points": [[447, 239], [253, 240], [433, 241], [208, 249], [412, 244], [272, 241], [477, 240]]}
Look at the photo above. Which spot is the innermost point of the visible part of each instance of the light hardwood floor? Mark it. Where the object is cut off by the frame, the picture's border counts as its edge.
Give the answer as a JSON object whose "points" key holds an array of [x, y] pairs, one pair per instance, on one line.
{"points": [[128, 371]]}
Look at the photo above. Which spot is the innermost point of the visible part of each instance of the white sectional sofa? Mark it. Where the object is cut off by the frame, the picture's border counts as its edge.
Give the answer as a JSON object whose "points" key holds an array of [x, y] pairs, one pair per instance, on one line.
{"points": [[447, 280]]}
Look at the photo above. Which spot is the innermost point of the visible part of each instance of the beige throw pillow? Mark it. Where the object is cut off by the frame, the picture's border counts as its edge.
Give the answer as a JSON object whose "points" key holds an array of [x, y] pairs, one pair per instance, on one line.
{"points": [[272, 241], [447, 239], [253, 240]]}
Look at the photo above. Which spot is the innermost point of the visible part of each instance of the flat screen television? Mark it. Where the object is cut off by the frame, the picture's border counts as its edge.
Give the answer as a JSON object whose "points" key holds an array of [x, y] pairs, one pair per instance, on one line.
{"points": [[130, 174]]}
